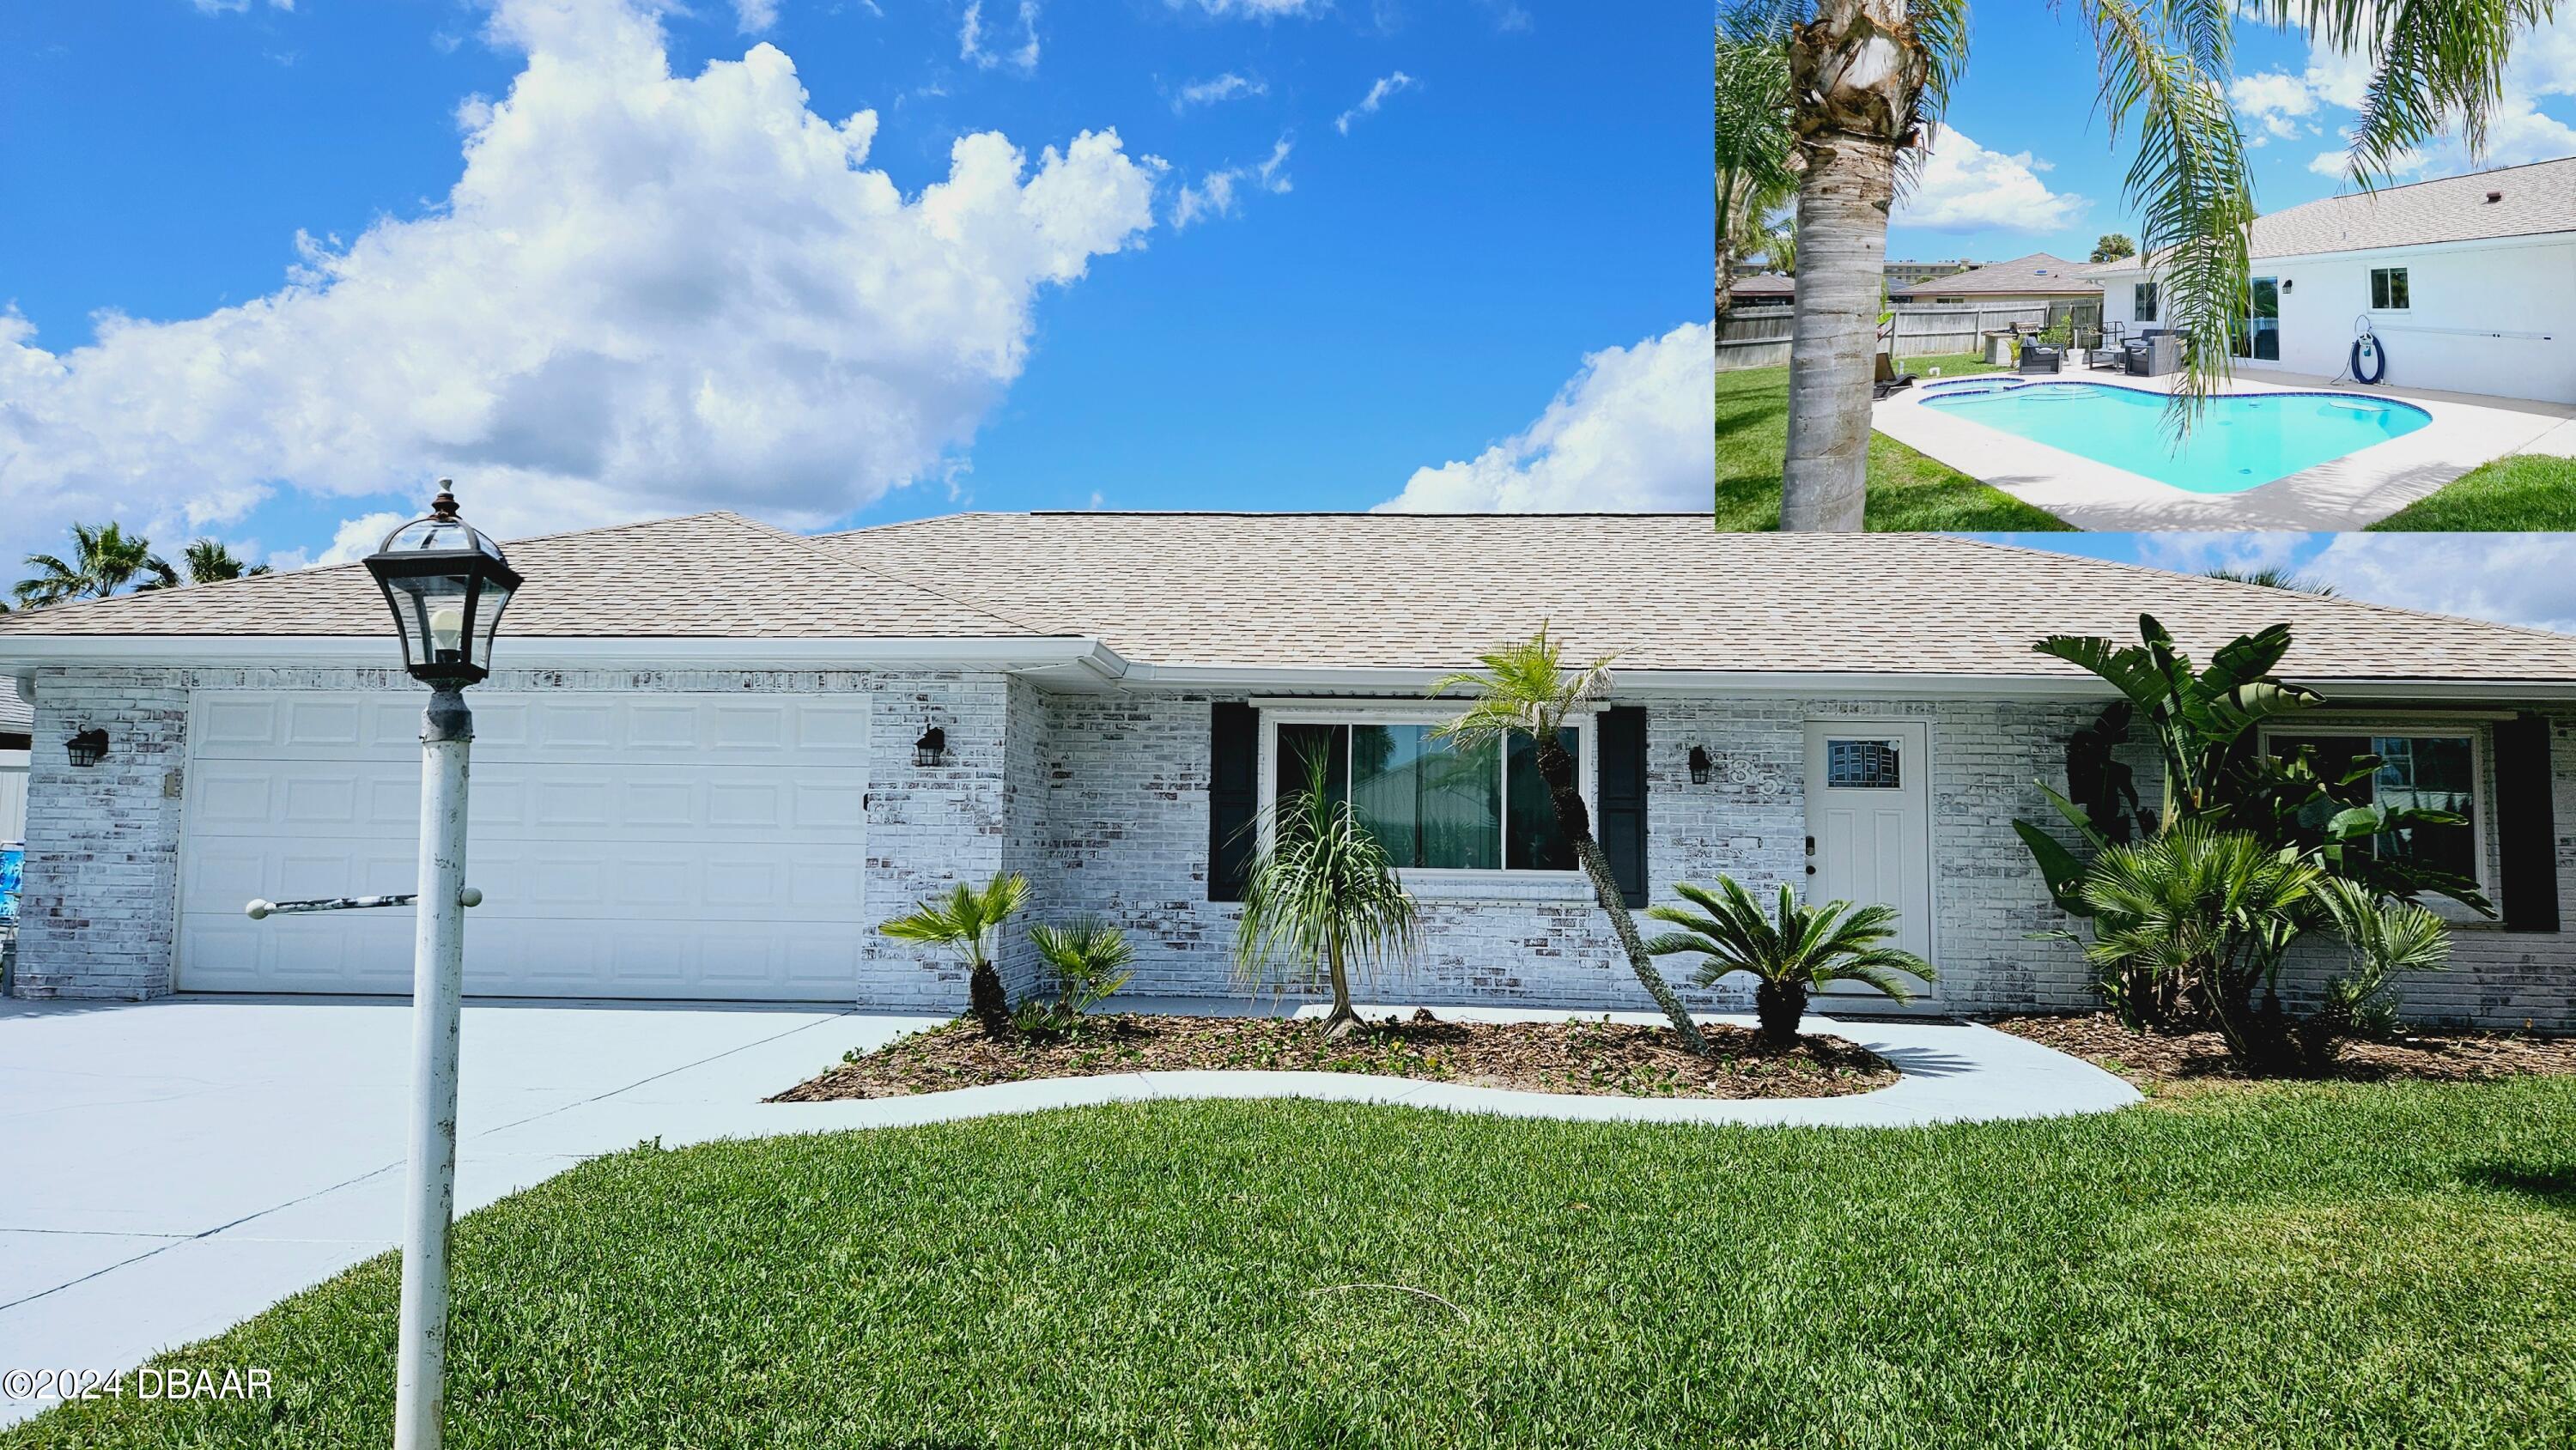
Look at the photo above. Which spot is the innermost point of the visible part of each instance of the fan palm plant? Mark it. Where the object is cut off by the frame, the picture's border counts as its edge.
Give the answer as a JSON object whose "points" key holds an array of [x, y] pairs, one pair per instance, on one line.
{"points": [[1526, 689], [1322, 893], [104, 560], [1090, 960], [966, 921], [1869, 80], [2208, 914], [1791, 952]]}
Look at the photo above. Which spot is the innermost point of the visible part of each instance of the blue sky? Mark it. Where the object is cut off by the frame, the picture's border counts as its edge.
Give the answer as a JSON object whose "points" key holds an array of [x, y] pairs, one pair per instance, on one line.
{"points": [[658, 286], [2028, 164]]}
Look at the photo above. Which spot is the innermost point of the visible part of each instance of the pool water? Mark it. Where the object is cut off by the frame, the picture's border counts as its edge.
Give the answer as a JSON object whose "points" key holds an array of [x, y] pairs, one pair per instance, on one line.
{"points": [[2241, 441]]}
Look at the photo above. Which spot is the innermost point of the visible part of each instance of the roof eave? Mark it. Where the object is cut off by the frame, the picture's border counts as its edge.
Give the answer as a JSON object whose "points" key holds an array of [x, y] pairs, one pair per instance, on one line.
{"points": [[23, 655]]}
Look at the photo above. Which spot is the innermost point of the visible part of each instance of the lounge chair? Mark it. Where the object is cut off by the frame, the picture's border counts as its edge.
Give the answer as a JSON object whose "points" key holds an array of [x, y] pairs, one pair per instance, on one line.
{"points": [[1888, 379], [2039, 358]]}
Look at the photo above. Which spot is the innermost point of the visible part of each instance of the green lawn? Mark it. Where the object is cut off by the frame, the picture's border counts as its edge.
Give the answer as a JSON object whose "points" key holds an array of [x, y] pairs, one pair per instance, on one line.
{"points": [[1952, 365], [2521, 491], [1907, 491], [2308, 1266]]}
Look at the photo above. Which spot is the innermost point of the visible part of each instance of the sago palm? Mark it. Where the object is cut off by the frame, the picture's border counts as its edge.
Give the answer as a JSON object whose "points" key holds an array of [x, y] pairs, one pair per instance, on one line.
{"points": [[1526, 689], [104, 560], [1791, 953], [966, 921], [1869, 80], [1322, 895]]}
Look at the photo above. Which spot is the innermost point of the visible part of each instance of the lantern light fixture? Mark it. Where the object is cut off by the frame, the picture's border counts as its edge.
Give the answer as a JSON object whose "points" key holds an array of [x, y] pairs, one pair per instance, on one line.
{"points": [[1699, 764], [931, 748], [446, 584], [87, 748]]}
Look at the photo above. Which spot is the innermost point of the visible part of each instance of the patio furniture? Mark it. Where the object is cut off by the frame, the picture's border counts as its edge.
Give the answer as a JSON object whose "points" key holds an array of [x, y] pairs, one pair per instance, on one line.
{"points": [[2112, 351], [1888, 380], [2038, 357], [2154, 355]]}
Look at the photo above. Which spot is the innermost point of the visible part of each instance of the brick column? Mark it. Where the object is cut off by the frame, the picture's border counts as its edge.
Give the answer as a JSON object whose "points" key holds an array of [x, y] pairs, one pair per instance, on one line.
{"points": [[98, 910]]}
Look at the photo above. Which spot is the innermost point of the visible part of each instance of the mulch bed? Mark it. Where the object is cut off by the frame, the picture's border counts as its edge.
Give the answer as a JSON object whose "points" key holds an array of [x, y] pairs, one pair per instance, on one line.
{"points": [[2154, 1060], [1591, 1058]]}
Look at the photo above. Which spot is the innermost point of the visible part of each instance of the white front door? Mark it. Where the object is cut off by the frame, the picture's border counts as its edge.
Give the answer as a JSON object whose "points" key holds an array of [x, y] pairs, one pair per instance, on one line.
{"points": [[1869, 821]]}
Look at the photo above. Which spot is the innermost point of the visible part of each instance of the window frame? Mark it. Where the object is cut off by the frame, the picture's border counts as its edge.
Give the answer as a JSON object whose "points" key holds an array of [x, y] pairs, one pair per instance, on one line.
{"points": [[2481, 791], [1375, 712], [2145, 303], [2388, 281]]}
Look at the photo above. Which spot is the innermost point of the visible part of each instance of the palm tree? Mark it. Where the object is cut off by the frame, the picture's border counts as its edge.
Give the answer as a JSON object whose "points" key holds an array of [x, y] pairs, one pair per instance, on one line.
{"points": [[2272, 576], [2193, 914], [1525, 689], [966, 921], [208, 560], [1752, 144], [2112, 247], [1791, 954], [104, 560], [1779, 248], [1869, 80], [1323, 893]]}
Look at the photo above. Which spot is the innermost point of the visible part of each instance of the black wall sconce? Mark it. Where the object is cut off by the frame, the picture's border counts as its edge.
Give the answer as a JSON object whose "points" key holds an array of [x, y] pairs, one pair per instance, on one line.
{"points": [[1699, 765], [87, 748], [931, 748]]}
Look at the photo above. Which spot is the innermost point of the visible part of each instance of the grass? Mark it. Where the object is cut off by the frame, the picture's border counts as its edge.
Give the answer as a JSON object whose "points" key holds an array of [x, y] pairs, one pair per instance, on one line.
{"points": [[1952, 365], [2311, 1266], [1907, 491], [2518, 492]]}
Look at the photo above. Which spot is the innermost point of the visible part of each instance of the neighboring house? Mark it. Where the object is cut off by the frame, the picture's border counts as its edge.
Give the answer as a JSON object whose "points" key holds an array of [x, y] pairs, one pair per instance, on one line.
{"points": [[2038, 278], [1906, 274], [2469, 283], [17, 717], [1764, 289], [702, 769]]}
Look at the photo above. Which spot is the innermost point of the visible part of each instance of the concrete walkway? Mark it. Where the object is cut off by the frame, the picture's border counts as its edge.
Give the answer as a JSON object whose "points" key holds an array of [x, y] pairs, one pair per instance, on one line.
{"points": [[168, 1169]]}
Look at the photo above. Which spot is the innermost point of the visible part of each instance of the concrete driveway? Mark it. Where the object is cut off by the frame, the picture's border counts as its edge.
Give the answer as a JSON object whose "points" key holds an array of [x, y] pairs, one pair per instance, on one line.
{"points": [[170, 1168]]}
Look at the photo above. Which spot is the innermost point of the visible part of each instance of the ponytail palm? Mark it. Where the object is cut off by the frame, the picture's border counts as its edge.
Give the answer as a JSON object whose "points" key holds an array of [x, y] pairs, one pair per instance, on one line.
{"points": [[1790, 953], [966, 921], [1323, 893], [1526, 689]]}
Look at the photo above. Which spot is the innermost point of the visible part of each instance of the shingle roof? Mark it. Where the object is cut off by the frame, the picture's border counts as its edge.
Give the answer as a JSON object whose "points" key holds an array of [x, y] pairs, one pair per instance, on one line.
{"points": [[1407, 591], [2531, 200], [2038, 272], [1662, 591], [1763, 284], [711, 574]]}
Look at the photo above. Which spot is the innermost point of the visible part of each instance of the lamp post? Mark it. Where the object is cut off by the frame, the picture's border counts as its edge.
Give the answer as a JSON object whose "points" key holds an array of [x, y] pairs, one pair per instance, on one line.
{"points": [[447, 585]]}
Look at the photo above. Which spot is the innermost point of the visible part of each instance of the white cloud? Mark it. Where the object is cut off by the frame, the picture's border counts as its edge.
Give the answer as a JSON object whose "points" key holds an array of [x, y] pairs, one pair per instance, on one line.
{"points": [[645, 294], [970, 39], [1376, 97], [1257, 9], [751, 17], [1633, 432], [2276, 101], [1215, 194], [2510, 578], [2543, 64], [2188, 552], [1964, 187], [1226, 87]]}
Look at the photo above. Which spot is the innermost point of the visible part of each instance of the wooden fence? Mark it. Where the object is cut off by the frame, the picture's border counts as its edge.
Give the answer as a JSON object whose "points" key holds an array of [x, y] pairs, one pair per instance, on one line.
{"points": [[1758, 336]]}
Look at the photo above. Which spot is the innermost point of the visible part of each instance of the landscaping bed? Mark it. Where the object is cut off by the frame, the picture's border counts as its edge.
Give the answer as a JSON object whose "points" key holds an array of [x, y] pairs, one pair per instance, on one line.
{"points": [[2165, 1060], [1595, 1058]]}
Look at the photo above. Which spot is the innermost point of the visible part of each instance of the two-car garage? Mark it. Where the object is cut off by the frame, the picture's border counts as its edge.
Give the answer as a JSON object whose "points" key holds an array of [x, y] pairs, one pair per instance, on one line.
{"points": [[631, 845]]}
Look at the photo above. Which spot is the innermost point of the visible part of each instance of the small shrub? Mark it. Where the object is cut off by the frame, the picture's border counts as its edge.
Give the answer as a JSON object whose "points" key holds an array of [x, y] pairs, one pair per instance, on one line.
{"points": [[1090, 961]]}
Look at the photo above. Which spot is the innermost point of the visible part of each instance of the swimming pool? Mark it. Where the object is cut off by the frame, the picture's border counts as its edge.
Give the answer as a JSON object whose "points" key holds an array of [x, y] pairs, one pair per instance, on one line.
{"points": [[2243, 440]]}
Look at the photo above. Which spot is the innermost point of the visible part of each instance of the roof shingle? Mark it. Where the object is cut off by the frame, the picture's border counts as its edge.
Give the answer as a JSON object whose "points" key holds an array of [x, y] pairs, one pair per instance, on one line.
{"points": [[2038, 272]]}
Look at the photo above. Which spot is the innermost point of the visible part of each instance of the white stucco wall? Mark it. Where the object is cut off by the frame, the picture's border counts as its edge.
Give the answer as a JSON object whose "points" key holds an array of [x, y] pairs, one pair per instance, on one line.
{"points": [[2518, 288]]}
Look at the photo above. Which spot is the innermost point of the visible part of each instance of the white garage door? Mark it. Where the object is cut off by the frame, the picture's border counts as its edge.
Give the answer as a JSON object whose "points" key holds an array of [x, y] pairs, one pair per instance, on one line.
{"points": [[690, 846]]}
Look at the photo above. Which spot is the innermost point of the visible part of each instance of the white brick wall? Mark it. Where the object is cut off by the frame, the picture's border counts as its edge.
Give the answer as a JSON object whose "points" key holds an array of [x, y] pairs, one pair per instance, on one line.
{"points": [[1102, 801]]}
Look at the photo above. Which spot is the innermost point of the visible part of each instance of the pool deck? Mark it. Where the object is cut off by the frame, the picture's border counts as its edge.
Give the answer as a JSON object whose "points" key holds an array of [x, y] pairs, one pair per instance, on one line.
{"points": [[2357, 489]]}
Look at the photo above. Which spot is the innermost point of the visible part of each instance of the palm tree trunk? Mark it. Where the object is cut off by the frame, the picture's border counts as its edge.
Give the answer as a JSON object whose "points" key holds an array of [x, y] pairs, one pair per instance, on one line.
{"points": [[1343, 1018], [1856, 73], [1780, 1007], [1726, 228], [1556, 767], [986, 1000]]}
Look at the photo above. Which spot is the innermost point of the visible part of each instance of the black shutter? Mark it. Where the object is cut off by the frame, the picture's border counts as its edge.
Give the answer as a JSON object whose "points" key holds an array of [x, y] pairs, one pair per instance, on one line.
{"points": [[2526, 830], [1620, 745], [1234, 795]]}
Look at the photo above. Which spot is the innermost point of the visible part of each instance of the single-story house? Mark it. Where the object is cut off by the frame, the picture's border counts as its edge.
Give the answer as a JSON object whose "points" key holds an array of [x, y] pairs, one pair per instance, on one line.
{"points": [[2037, 279], [2469, 283], [1762, 289], [715, 755]]}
